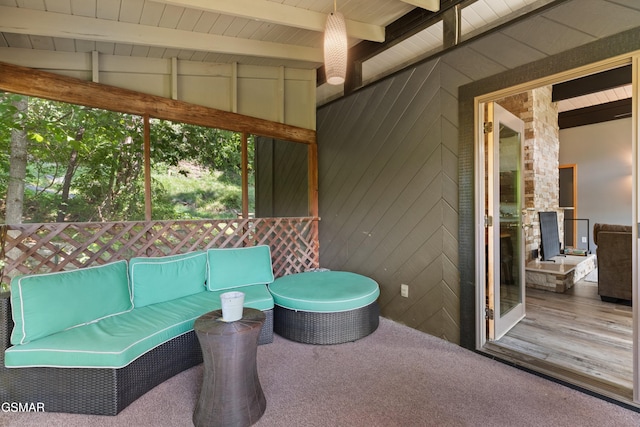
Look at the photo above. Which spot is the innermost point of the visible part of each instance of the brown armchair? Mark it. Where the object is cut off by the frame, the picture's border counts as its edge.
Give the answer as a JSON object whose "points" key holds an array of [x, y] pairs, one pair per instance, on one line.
{"points": [[614, 261]]}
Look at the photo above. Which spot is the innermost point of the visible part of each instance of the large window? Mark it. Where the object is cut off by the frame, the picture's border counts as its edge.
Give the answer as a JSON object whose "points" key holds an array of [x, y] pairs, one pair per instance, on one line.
{"points": [[102, 153], [87, 164]]}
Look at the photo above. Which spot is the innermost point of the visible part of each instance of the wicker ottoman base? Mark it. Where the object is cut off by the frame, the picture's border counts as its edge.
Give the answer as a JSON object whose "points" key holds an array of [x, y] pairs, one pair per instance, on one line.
{"points": [[326, 328]]}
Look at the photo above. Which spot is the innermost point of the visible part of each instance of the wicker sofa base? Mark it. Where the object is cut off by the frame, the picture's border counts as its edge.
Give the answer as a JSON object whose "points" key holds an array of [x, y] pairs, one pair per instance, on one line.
{"points": [[100, 391], [326, 328]]}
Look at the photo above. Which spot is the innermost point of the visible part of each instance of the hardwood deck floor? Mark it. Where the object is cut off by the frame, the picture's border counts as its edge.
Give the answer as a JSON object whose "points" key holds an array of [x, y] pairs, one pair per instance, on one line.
{"points": [[576, 337]]}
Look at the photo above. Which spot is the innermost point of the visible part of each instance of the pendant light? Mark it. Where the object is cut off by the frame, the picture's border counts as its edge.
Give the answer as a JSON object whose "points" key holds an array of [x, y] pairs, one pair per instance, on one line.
{"points": [[335, 47]]}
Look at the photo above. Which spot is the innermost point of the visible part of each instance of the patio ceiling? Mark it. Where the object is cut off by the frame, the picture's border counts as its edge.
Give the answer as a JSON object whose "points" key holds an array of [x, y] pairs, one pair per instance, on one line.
{"points": [[384, 35]]}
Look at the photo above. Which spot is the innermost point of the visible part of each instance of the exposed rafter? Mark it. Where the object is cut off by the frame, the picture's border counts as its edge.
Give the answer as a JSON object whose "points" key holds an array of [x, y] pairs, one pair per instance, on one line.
{"points": [[594, 83], [281, 14], [596, 114], [36, 22]]}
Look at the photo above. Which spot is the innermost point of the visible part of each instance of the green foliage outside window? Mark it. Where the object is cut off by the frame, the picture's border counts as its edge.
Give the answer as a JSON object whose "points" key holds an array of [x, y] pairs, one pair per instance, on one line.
{"points": [[87, 164]]}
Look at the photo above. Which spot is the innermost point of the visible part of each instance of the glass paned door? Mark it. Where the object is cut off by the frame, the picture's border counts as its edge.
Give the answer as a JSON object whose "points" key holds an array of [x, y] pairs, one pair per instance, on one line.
{"points": [[505, 229]]}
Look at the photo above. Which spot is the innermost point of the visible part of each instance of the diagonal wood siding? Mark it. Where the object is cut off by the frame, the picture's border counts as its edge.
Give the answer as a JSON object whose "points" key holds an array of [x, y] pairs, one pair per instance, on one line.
{"points": [[389, 158], [389, 194]]}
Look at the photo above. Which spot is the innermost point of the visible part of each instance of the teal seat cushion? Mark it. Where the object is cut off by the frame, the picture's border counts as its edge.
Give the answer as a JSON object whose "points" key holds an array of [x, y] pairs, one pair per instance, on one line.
{"points": [[234, 267], [255, 296], [116, 341], [159, 279], [324, 292], [44, 304]]}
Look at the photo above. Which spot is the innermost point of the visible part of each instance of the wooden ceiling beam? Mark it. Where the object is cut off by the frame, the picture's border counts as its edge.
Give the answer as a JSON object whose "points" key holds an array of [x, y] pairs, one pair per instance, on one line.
{"points": [[595, 114], [42, 23], [594, 83]]}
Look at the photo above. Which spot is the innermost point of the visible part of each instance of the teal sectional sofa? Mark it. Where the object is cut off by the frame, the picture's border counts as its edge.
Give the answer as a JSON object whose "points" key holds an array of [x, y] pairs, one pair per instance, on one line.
{"points": [[93, 340]]}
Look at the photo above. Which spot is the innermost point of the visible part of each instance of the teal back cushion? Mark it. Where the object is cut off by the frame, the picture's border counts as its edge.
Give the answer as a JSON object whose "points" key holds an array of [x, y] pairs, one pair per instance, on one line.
{"points": [[160, 279], [235, 267], [43, 304]]}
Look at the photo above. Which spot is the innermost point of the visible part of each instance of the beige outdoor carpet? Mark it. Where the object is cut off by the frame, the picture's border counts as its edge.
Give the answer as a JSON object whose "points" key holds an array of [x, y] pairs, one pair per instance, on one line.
{"points": [[395, 377]]}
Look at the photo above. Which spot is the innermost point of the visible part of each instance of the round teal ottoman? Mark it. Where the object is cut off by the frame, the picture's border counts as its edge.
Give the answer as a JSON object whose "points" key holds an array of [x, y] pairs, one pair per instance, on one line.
{"points": [[327, 307]]}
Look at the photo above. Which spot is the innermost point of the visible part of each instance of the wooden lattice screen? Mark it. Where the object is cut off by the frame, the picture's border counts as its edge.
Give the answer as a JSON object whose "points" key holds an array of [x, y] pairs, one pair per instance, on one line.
{"points": [[40, 248]]}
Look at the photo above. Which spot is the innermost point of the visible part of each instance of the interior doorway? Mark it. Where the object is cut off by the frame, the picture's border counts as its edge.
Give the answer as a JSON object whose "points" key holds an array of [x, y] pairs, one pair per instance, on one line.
{"points": [[540, 357]]}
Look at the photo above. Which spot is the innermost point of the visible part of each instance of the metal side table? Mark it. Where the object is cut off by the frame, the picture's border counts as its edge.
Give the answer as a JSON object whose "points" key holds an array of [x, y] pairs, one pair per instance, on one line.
{"points": [[231, 394]]}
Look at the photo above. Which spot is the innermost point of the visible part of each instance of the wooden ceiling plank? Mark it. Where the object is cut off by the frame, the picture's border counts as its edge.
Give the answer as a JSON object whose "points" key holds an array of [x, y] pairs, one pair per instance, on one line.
{"points": [[64, 45], [57, 6], [42, 43], [189, 19], [19, 41], [171, 17], [280, 14], [33, 22], [131, 11], [84, 8], [108, 9]]}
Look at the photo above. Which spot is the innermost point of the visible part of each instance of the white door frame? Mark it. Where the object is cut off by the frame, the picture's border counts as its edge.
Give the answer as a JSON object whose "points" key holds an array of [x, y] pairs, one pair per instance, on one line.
{"points": [[636, 221], [479, 220]]}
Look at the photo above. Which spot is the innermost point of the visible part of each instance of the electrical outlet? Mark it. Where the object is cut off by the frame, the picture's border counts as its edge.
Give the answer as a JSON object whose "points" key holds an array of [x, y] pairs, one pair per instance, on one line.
{"points": [[404, 290], [584, 239]]}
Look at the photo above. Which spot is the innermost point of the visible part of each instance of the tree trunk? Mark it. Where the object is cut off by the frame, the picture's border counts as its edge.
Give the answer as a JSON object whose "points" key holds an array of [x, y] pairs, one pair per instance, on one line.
{"points": [[68, 177], [17, 167]]}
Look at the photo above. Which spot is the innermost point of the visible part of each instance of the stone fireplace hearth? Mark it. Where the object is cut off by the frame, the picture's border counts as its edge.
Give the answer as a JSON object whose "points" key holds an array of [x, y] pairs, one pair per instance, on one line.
{"points": [[560, 274]]}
